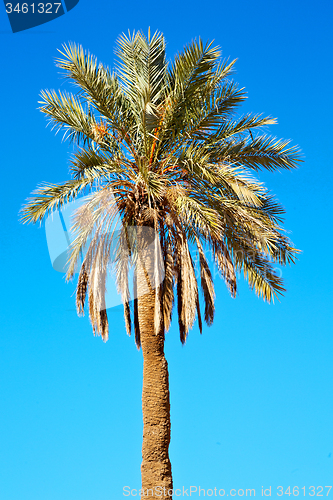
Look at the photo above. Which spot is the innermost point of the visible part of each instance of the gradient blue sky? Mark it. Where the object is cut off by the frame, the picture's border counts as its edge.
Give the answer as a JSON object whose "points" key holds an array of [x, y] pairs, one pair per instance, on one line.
{"points": [[251, 399]]}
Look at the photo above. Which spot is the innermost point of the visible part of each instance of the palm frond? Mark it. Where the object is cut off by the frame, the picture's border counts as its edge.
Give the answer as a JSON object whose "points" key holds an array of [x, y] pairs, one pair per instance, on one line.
{"points": [[49, 197], [168, 284], [207, 285], [262, 152], [65, 111], [97, 84]]}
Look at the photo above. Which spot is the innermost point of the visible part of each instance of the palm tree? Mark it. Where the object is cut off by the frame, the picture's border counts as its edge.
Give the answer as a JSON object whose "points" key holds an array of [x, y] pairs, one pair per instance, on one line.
{"points": [[159, 145]]}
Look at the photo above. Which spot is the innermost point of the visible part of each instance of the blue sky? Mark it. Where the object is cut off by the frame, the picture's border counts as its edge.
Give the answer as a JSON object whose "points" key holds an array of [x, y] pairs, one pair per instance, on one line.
{"points": [[251, 399]]}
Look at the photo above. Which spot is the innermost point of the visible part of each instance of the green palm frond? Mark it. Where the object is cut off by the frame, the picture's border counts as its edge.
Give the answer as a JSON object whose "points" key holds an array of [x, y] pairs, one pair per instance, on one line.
{"points": [[142, 68], [262, 152], [50, 197], [193, 69], [97, 85]]}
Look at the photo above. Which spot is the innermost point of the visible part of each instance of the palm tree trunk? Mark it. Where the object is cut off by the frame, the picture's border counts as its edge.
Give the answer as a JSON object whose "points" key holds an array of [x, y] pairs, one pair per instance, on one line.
{"points": [[156, 466]]}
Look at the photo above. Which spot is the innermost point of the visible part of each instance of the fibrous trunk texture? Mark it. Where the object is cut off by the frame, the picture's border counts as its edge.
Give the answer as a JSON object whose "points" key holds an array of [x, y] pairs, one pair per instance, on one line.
{"points": [[156, 466]]}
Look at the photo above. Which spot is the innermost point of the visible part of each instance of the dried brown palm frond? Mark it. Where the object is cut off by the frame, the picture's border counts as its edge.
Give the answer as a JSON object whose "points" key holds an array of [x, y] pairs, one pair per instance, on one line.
{"points": [[168, 287], [207, 285]]}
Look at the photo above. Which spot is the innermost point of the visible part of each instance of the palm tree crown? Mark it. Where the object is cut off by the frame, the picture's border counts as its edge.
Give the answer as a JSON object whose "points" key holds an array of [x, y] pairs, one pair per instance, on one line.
{"points": [[160, 145]]}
